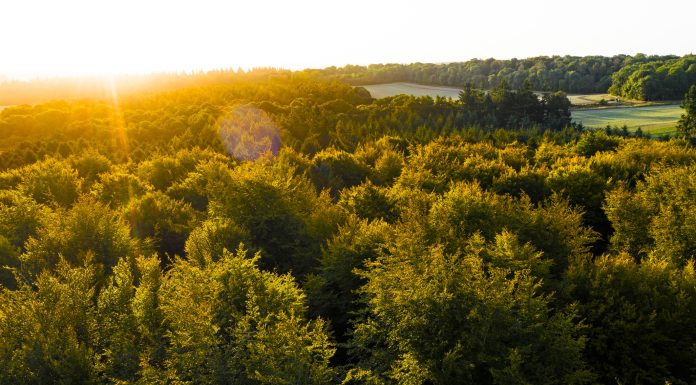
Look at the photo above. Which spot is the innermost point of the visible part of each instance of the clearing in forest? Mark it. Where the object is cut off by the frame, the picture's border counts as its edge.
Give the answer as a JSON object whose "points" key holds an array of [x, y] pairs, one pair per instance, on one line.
{"points": [[657, 119]]}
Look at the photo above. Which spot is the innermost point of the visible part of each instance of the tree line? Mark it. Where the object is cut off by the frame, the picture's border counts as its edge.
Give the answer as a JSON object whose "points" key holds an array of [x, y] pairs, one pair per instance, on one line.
{"points": [[643, 77], [571, 74], [658, 79]]}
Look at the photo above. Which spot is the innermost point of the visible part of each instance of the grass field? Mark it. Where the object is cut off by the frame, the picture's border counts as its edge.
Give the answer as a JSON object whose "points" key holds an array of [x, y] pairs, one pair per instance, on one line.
{"points": [[581, 100], [652, 118], [611, 100], [661, 119], [391, 89]]}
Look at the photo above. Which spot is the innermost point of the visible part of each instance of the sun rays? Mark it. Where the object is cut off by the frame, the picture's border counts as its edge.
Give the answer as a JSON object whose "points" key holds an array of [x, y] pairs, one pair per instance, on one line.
{"points": [[117, 120]]}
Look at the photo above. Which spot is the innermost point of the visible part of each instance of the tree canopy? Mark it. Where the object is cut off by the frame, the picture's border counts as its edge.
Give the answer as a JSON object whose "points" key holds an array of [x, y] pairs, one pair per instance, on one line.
{"points": [[278, 228]]}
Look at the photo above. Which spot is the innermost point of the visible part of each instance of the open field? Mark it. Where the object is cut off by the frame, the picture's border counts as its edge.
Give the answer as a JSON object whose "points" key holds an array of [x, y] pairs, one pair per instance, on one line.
{"points": [[611, 101], [651, 117], [659, 119], [581, 100], [392, 89]]}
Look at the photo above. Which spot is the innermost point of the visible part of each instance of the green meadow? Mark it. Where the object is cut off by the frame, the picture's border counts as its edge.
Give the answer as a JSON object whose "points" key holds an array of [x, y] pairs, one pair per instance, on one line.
{"points": [[654, 119], [659, 119], [391, 89]]}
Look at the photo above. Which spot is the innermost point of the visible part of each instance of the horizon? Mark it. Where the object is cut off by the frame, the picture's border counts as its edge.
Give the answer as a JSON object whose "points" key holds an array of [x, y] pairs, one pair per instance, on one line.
{"points": [[190, 72], [78, 38]]}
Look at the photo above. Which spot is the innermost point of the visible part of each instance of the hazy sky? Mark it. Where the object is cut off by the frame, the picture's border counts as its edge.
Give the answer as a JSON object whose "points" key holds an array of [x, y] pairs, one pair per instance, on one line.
{"points": [[53, 37]]}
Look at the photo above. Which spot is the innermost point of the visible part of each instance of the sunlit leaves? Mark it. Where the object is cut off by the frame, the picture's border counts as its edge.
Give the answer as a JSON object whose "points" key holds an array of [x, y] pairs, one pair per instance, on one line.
{"points": [[229, 319], [451, 319]]}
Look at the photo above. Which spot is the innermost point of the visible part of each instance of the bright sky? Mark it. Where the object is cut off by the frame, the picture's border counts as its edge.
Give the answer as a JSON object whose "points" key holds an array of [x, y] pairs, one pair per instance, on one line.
{"points": [[73, 37]]}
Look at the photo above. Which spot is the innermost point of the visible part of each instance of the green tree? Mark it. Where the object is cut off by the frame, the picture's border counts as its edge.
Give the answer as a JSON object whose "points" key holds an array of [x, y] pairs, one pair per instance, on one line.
{"points": [[638, 318], [87, 233], [370, 202], [157, 217], [593, 142], [118, 187], [686, 127], [46, 330], [231, 323], [659, 216], [445, 318], [207, 241], [332, 291], [51, 182], [130, 334], [281, 211]]}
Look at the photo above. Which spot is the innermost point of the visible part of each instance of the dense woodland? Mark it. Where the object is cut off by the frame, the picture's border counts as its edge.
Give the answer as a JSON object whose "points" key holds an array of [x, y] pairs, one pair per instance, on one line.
{"points": [[666, 79], [637, 77], [275, 228]]}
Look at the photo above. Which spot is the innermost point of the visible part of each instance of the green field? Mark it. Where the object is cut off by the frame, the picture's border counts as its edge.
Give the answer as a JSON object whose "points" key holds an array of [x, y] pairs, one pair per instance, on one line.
{"points": [[391, 89], [611, 100], [654, 119], [660, 119]]}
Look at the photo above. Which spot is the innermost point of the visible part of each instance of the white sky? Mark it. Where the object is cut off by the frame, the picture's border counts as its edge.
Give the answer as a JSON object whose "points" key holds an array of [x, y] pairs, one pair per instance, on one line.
{"points": [[72, 37]]}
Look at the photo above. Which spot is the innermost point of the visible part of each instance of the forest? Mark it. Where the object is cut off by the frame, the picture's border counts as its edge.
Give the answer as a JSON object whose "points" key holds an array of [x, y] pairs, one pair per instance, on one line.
{"points": [[277, 227], [637, 77]]}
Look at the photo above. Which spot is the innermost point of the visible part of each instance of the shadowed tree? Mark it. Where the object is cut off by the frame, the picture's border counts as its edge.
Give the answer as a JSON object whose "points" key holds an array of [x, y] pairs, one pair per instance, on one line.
{"points": [[686, 127]]}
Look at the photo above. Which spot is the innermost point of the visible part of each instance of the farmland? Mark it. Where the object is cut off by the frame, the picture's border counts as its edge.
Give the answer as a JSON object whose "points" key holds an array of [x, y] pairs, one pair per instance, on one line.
{"points": [[391, 89], [652, 118], [659, 119]]}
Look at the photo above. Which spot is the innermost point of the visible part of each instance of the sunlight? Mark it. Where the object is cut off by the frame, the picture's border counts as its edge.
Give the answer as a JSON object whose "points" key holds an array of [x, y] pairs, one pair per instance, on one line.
{"points": [[118, 122], [347, 192], [81, 37]]}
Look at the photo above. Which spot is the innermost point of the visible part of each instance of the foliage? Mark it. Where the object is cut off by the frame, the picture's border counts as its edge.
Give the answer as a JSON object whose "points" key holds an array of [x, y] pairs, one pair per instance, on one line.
{"points": [[404, 240], [87, 233], [637, 318], [233, 323], [451, 319], [167, 221], [686, 127], [593, 142], [658, 78], [659, 216], [589, 74], [51, 181]]}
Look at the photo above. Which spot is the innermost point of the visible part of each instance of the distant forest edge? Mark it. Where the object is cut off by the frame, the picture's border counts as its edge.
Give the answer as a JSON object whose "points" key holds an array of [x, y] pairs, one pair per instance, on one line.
{"points": [[636, 77]]}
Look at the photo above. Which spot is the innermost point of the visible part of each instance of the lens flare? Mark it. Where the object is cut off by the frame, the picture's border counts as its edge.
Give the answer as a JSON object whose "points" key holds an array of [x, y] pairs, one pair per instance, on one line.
{"points": [[248, 133]]}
